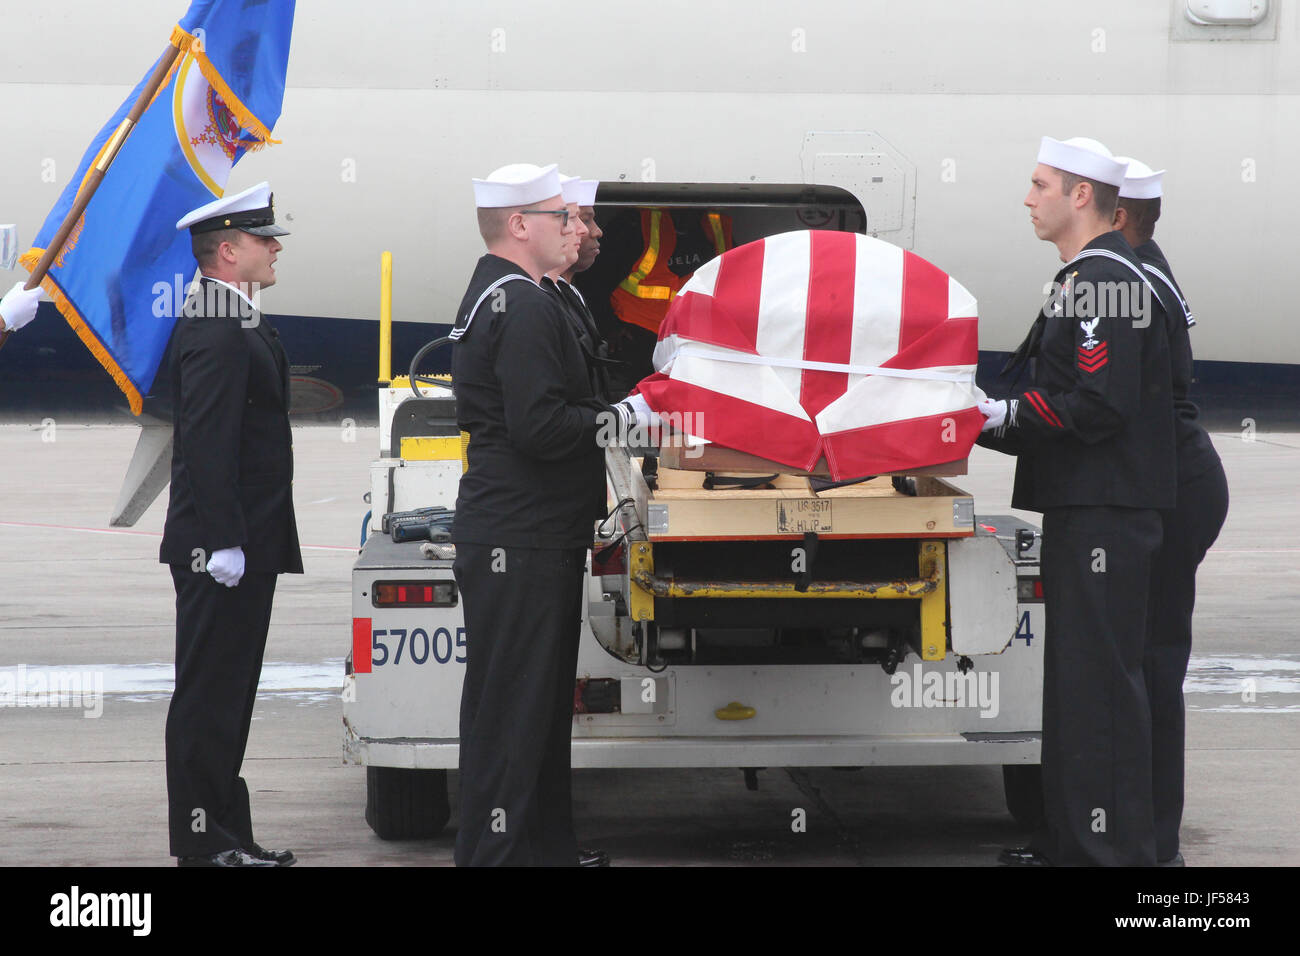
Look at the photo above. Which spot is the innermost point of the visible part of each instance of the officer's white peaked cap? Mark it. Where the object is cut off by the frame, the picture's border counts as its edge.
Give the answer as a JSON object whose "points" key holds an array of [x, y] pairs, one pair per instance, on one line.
{"points": [[1141, 181], [252, 211], [1083, 157], [518, 184]]}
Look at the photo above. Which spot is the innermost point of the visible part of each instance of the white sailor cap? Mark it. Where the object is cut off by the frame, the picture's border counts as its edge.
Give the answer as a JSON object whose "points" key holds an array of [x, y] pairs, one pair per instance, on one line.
{"points": [[1083, 157], [252, 211], [516, 185], [575, 189], [581, 191], [569, 187], [1141, 181]]}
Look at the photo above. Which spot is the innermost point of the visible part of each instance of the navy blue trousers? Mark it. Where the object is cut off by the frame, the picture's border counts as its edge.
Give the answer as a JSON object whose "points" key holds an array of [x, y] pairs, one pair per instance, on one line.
{"points": [[523, 610], [220, 637], [1189, 531], [1096, 566]]}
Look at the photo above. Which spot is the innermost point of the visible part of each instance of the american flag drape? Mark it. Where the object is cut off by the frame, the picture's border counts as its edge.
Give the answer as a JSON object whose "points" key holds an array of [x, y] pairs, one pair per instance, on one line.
{"points": [[820, 343]]}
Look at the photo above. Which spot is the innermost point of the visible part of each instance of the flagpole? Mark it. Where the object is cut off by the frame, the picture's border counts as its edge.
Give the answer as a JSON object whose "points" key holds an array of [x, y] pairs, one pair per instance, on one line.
{"points": [[96, 176]]}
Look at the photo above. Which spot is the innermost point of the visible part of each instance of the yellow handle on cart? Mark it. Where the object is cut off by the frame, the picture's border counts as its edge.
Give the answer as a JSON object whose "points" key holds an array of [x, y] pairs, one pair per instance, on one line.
{"points": [[734, 711]]}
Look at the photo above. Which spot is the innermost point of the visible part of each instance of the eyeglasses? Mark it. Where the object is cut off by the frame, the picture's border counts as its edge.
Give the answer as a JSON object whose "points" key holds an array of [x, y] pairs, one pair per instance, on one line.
{"points": [[562, 213]]}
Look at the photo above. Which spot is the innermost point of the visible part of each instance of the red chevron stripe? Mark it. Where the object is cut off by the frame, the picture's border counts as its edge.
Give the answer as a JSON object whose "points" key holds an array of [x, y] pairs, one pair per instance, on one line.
{"points": [[1090, 360], [1040, 406]]}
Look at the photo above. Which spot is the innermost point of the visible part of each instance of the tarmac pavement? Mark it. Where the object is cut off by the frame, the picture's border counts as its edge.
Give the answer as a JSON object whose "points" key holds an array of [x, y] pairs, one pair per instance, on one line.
{"points": [[77, 598]]}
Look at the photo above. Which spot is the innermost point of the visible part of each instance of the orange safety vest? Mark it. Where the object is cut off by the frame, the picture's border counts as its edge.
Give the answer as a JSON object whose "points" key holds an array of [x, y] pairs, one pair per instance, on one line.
{"points": [[643, 297]]}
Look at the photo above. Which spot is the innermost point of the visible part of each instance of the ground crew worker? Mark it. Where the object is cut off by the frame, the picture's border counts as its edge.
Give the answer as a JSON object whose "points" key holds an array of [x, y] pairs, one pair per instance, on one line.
{"points": [[1188, 531], [652, 253], [1094, 440], [672, 250], [534, 487], [18, 307], [230, 527]]}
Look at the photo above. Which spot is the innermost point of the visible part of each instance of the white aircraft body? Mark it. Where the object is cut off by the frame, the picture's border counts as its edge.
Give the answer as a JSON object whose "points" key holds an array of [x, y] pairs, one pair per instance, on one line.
{"points": [[928, 113]]}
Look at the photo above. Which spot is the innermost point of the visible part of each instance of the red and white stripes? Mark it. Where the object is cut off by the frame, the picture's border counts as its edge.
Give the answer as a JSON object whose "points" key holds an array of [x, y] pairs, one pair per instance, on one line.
{"points": [[817, 343]]}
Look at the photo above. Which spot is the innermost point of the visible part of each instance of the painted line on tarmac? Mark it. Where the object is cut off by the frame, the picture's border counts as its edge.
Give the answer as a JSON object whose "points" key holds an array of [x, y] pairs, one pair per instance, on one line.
{"points": [[147, 534], [1244, 684], [38, 685]]}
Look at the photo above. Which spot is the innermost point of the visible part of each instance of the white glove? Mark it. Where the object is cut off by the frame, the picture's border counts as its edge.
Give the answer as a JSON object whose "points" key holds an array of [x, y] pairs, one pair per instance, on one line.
{"points": [[18, 307], [994, 412], [640, 410], [227, 566]]}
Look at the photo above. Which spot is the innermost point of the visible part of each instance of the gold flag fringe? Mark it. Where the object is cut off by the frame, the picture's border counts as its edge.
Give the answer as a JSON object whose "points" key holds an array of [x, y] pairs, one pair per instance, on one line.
{"points": [[28, 260], [187, 43]]}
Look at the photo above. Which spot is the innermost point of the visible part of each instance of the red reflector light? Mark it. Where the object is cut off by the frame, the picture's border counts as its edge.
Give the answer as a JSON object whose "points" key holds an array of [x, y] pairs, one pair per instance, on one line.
{"points": [[361, 645], [413, 594], [608, 560], [1029, 589]]}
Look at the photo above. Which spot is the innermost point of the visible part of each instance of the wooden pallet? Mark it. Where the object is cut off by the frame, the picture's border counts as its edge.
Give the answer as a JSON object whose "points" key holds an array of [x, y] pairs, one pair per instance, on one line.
{"points": [[680, 508]]}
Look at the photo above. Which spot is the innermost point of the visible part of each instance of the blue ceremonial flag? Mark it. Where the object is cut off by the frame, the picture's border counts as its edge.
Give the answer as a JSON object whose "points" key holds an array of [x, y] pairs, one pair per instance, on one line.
{"points": [[121, 276]]}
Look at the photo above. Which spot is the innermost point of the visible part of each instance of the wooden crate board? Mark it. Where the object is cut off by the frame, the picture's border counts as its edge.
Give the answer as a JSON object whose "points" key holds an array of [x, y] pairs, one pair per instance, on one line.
{"points": [[729, 461], [680, 508]]}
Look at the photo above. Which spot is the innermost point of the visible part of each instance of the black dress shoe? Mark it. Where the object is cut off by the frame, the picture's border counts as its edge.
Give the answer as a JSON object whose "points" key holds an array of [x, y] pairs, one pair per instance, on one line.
{"points": [[1175, 860], [592, 857], [235, 857], [1023, 856], [278, 857]]}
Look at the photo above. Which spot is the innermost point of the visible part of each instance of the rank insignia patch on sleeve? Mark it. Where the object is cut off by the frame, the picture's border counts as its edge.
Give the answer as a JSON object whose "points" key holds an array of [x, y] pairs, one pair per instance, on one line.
{"points": [[1090, 360], [1092, 352]]}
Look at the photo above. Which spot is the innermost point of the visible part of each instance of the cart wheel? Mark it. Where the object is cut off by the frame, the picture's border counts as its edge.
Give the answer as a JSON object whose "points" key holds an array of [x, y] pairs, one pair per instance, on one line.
{"points": [[403, 804], [1023, 784]]}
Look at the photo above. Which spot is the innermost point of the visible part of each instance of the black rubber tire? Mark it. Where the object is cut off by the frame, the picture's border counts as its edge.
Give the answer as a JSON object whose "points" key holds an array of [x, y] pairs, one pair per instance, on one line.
{"points": [[404, 804], [1023, 785]]}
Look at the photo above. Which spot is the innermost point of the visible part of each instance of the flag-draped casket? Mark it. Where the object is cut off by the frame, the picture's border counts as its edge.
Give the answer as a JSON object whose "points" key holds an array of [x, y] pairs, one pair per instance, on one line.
{"points": [[815, 345]]}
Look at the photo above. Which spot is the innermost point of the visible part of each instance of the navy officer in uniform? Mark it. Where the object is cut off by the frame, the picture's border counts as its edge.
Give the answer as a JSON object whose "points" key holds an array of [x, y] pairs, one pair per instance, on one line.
{"points": [[1188, 531], [534, 487], [230, 526], [1094, 439]]}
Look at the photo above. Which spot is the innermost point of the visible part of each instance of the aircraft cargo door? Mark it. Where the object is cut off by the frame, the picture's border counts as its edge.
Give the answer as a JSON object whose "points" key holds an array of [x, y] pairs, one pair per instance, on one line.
{"points": [[655, 235]]}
